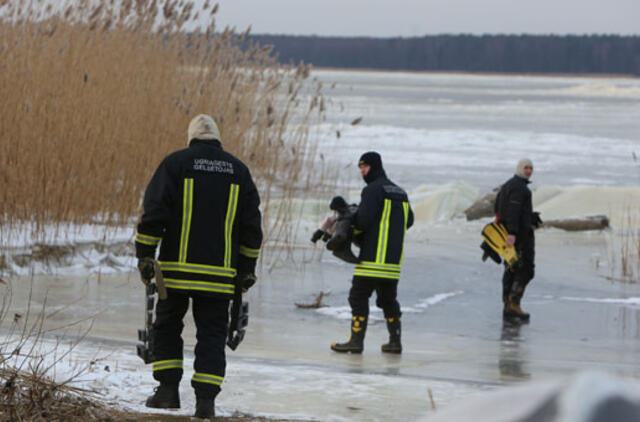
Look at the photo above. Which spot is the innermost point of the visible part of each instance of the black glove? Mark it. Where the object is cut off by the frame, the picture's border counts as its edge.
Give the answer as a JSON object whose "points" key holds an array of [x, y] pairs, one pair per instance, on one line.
{"points": [[147, 269], [247, 281], [536, 220], [317, 235]]}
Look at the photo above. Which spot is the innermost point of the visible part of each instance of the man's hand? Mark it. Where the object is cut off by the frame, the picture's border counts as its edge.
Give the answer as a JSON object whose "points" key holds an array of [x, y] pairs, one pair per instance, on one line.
{"points": [[246, 281], [511, 240], [146, 268]]}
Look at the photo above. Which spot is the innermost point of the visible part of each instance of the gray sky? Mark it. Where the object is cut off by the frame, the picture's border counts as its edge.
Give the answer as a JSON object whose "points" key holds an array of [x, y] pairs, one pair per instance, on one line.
{"points": [[385, 18]]}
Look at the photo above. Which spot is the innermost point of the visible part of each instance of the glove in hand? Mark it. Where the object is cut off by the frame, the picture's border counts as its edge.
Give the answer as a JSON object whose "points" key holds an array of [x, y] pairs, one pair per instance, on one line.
{"points": [[147, 269], [247, 281]]}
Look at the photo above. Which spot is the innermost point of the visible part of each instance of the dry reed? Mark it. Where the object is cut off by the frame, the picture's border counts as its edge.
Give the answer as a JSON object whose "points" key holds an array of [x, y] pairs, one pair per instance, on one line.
{"points": [[623, 250], [95, 94]]}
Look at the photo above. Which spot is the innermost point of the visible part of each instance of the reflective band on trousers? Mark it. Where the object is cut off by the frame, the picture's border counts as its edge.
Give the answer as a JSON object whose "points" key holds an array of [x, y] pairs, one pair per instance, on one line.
{"points": [[228, 223], [185, 267], [167, 364], [187, 207], [207, 378], [204, 286], [249, 252], [145, 239], [383, 235]]}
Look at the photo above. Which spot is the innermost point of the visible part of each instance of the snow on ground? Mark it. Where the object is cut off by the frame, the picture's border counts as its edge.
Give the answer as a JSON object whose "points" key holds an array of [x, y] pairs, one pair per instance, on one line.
{"points": [[252, 386], [375, 314], [67, 249]]}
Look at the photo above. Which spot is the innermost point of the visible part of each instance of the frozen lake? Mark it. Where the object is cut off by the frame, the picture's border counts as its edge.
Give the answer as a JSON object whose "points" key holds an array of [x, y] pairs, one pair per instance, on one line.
{"points": [[436, 128]]}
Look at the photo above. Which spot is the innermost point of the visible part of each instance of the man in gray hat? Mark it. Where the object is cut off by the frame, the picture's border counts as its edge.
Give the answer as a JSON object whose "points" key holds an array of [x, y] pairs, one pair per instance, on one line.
{"points": [[514, 210], [202, 207]]}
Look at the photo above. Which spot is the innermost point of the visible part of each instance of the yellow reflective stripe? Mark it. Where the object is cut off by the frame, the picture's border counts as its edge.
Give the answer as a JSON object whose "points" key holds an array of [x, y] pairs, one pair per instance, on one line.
{"points": [[373, 269], [187, 207], [379, 266], [383, 234], [147, 240], [386, 233], [232, 206], [206, 286], [390, 273], [405, 208], [249, 252], [148, 237], [197, 268], [207, 378], [167, 364]]}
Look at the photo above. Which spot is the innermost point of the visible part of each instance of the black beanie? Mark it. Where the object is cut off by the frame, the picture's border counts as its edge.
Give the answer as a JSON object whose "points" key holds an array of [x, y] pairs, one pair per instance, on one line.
{"points": [[374, 161], [338, 203]]}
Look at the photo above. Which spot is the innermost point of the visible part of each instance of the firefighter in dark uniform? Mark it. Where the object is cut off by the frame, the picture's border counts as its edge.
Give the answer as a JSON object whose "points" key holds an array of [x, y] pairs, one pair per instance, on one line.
{"points": [[202, 207], [383, 217], [515, 211]]}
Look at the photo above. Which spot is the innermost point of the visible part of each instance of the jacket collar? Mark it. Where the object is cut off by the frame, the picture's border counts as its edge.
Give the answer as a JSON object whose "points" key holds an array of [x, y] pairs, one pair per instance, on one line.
{"points": [[206, 142]]}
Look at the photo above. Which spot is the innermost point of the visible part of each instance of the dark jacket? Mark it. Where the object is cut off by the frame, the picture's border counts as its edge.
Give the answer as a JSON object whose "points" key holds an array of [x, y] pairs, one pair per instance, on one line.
{"points": [[383, 217], [514, 209], [202, 205]]}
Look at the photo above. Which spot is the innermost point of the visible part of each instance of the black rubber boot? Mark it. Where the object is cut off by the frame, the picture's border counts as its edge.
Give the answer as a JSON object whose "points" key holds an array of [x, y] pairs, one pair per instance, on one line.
{"points": [[394, 325], [356, 341], [205, 408], [165, 396]]}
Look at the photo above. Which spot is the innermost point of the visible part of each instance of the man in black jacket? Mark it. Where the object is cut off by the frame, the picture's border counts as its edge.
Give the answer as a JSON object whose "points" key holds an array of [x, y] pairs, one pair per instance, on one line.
{"points": [[202, 206], [383, 217], [514, 210]]}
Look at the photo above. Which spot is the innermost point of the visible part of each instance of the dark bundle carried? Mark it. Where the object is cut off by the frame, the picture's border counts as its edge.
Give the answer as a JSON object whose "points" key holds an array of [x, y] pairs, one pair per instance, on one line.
{"points": [[337, 230]]}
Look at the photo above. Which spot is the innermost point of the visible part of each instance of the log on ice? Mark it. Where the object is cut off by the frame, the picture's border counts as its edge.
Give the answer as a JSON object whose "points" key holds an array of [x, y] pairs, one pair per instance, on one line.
{"points": [[482, 208], [592, 222]]}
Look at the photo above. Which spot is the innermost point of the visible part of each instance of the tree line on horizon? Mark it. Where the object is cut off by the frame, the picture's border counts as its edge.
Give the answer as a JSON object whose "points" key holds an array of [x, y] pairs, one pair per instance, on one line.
{"points": [[605, 54]]}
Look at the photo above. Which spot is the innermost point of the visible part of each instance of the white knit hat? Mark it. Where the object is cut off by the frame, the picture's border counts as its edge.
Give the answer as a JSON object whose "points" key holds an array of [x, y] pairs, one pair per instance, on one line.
{"points": [[524, 162], [203, 127]]}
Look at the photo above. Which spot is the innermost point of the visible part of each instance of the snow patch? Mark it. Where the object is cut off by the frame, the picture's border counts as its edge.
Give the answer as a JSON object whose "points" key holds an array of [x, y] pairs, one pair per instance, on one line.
{"points": [[375, 314], [633, 301]]}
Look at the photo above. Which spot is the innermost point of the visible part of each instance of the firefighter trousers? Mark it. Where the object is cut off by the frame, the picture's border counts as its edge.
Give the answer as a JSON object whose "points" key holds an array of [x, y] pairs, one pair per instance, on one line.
{"points": [[211, 315], [386, 293]]}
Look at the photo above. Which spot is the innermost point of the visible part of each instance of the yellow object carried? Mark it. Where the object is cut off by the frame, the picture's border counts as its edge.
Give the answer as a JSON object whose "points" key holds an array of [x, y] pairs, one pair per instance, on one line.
{"points": [[495, 234]]}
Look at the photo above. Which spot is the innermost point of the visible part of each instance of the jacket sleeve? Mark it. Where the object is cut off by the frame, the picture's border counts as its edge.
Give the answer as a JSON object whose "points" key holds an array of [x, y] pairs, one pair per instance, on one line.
{"points": [[160, 194], [370, 203], [250, 228], [513, 209], [410, 218]]}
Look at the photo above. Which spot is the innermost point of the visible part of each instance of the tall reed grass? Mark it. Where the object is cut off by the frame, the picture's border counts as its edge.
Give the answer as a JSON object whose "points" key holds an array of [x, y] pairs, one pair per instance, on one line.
{"points": [[623, 250], [96, 93]]}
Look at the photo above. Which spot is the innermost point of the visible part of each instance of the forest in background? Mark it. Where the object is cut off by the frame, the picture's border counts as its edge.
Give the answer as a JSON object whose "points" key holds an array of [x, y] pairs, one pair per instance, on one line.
{"points": [[604, 54]]}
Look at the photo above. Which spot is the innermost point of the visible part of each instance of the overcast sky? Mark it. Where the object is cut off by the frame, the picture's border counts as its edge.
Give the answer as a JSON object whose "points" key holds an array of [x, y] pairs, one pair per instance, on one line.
{"points": [[387, 18]]}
